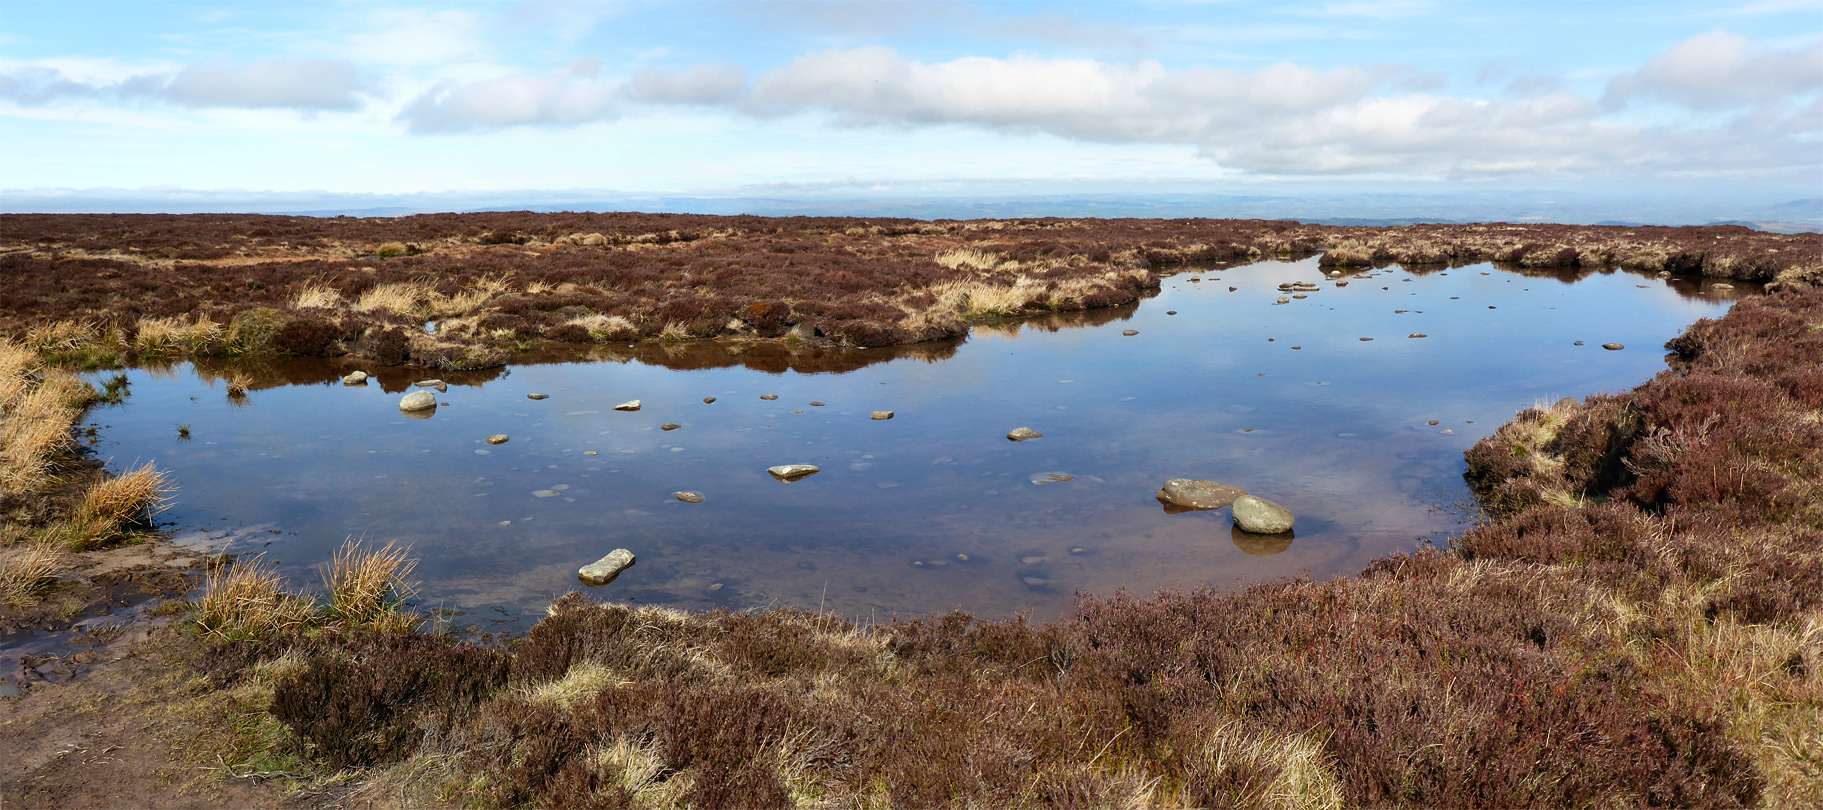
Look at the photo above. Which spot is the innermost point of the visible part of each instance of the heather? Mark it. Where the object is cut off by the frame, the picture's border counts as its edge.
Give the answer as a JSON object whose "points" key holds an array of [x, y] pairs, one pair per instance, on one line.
{"points": [[102, 290], [1636, 622]]}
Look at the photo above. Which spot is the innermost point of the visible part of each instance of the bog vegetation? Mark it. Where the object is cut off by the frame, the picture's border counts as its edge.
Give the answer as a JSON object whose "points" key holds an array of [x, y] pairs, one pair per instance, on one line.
{"points": [[1639, 620]]}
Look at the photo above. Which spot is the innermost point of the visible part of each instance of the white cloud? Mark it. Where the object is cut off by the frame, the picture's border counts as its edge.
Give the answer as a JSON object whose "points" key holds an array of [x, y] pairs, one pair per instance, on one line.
{"points": [[312, 85], [701, 84], [1718, 70], [417, 37], [554, 99]]}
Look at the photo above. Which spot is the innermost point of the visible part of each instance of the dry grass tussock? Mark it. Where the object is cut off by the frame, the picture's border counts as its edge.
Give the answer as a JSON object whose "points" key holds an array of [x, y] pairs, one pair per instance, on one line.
{"points": [[158, 337], [367, 589], [113, 504], [23, 569], [38, 406]]}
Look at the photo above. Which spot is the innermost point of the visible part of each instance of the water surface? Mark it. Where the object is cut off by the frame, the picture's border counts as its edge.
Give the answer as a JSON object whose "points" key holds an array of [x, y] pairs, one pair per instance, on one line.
{"points": [[934, 509]]}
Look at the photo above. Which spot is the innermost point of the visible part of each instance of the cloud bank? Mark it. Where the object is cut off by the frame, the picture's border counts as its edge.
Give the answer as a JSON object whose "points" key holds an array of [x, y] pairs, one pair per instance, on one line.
{"points": [[312, 85]]}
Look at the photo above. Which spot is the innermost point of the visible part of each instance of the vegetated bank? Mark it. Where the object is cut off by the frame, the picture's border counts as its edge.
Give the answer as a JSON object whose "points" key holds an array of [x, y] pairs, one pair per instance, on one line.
{"points": [[1637, 623], [460, 291]]}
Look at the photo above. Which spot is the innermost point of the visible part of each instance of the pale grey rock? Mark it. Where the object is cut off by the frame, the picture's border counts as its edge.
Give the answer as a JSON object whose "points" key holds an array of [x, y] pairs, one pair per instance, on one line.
{"points": [[418, 401], [1191, 493], [604, 570], [630, 405], [355, 378], [881, 415], [428, 383], [688, 497], [1261, 516], [793, 472]]}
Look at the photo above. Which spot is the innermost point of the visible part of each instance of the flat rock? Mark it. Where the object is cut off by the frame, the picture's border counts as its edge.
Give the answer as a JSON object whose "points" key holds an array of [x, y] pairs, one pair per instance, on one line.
{"points": [[428, 383], [604, 570], [418, 401], [629, 405], [1021, 434], [793, 472], [1190, 493], [769, 397], [1051, 478], [1129, 332], [669, 426], [1613, 347], [688, 497], [881, 415], [498, 438], [537, 396], [1261, 516], [355, 378]]}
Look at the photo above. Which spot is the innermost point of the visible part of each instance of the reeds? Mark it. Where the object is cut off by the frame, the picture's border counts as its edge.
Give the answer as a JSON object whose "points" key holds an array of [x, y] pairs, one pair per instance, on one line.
{"points": [[161, 337]]}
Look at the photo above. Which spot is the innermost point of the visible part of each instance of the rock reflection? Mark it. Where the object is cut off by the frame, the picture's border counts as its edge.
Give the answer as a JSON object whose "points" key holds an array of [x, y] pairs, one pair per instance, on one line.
{"points": [[1261, 545]]}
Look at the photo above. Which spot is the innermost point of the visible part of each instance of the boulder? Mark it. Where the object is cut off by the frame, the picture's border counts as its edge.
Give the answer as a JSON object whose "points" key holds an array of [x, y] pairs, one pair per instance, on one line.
{"points": [[1192, 494], [1261, 516], [1021, 434], [355, 378], [418, 401], [793, 472], [604, 570]]}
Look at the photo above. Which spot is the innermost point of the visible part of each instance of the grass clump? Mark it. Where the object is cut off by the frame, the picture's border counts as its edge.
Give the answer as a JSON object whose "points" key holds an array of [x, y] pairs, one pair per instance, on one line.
{"points": [[248, 601], [111, 506], [368, 588], [24, 570], [38, 406]]}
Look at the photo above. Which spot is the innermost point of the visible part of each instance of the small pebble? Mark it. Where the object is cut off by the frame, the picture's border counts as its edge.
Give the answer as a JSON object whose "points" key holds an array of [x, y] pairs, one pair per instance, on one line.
{"points": [[1170, 312], [669, 426], [498, 438], [688, 497], [769, 397], [707, 400], [537, 396], [1613, 347], [816, 404], [881, 415], [1130, 332]]}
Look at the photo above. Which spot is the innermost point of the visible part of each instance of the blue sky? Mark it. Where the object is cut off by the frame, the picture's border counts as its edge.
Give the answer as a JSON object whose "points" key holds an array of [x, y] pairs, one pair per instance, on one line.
{"points": [[451, 101]]}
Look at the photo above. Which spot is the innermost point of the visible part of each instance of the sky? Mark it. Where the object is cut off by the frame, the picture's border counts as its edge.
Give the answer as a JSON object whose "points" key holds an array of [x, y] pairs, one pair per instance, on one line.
{"points": [[193, 105]]}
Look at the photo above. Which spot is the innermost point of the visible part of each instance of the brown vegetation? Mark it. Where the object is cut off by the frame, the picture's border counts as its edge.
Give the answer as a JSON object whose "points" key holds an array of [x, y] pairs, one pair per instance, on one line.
{"points": [[493, 283]]}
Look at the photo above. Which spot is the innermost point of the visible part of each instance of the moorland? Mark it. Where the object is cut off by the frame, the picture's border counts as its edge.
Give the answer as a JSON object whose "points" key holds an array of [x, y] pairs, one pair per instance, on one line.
{"points": [[1638, 619]]}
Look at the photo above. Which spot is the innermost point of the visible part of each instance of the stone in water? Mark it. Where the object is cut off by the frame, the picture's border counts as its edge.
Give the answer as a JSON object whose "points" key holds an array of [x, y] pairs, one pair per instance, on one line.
{"points": [[604, 570]]}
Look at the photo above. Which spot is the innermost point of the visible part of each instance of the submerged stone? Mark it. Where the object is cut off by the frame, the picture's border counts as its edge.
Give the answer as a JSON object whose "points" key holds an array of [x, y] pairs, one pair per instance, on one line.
{"points": [[604, 570], [1051, 478]]}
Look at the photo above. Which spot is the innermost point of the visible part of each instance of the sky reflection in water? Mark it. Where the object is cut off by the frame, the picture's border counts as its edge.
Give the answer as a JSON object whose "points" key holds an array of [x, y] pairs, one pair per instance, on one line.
{"points": [[934, 509]]}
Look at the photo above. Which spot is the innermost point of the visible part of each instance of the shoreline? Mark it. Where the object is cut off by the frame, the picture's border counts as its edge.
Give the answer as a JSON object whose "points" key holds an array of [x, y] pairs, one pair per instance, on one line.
{"points": [[1613, 541]]}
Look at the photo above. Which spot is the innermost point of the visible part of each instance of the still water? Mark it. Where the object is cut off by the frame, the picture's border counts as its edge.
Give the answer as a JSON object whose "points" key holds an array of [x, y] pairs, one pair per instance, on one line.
{"points": [[1325, 404]]}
